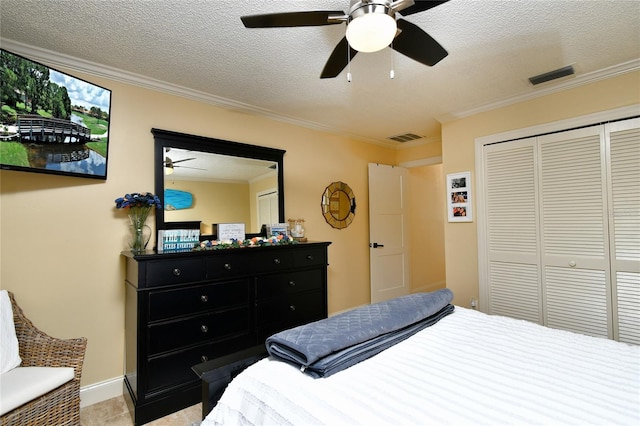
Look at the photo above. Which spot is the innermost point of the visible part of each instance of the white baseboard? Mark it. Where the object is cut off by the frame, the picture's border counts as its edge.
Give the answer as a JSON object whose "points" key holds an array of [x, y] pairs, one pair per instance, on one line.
{"points": [[98, 392]]}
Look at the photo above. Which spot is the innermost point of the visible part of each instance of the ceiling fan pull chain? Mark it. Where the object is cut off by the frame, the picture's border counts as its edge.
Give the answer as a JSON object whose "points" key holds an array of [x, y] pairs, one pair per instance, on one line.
{"points": [[348, 64], [392, 73]]}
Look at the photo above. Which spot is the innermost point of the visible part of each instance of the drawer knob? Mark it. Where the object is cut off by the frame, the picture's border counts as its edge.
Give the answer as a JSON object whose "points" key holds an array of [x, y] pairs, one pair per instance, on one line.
{"points": [[204, 328], [292, 283], [176, 272], [204, 358], [572, 263], [276, 261], [292, 308], [309, 257], [204, 298], [227, 266]]}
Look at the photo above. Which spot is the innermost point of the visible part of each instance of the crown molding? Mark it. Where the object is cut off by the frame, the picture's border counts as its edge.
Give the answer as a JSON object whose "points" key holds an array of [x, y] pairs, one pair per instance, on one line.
{"points": [[56, 59], [592, 77]]}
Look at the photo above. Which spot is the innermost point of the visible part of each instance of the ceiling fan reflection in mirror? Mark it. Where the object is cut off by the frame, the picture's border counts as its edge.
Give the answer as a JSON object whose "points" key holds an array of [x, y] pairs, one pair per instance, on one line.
{"points": [[169, 165], [372, 25]]}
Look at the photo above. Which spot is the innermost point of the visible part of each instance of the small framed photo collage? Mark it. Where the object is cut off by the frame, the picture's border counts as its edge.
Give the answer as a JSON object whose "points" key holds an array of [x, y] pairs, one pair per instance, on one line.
{"points": [[459, 197]]}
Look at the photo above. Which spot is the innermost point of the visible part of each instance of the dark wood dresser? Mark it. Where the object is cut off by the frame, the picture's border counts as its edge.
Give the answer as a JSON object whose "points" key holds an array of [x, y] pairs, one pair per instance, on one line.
{"points": [[183, 309]]}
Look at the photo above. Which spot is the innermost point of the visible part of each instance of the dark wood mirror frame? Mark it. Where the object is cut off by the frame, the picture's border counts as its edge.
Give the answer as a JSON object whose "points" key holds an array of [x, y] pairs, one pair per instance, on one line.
{"points": [[165, 138]]}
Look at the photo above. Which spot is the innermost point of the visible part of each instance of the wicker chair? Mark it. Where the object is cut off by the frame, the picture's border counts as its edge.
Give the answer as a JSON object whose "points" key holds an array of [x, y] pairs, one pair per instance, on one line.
{"points": [[60, 406]]}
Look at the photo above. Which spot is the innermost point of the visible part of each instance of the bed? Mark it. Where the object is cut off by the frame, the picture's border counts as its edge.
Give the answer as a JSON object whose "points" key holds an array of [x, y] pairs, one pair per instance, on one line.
{"points": [[467, 368]]}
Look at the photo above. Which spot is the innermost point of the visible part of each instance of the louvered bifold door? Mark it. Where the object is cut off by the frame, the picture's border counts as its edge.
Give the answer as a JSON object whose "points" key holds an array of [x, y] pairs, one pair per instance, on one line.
{"points": [[624, 216], [575, 245], [512, 236]]}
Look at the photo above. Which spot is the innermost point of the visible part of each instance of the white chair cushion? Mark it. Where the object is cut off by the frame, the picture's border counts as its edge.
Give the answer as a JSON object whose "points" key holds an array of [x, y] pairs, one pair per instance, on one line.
{"points": [[9, 350], [23, 384]]}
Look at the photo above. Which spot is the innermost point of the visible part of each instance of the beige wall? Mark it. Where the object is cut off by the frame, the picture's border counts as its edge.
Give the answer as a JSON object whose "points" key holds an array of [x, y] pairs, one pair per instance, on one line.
{"points": [[60, 237], [426, 214], [431, 149], [213, 202], [426, 224], [458, 155]]}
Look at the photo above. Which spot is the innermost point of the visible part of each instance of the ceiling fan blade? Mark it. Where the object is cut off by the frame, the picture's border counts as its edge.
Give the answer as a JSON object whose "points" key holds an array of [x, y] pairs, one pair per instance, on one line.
{"points": [[417, 45], [187, 167], [421, 6], [338, 59], [180, 161], [292, 19]]}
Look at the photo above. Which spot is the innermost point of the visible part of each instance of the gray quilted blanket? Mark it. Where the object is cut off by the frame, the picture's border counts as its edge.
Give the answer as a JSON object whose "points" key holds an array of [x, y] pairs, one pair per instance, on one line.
{"points": [[330, 345]]}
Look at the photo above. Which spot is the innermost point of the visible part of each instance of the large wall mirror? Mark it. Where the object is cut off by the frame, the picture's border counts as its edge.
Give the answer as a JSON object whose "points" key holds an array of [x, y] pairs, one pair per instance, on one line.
{"points": [[205, 181]]}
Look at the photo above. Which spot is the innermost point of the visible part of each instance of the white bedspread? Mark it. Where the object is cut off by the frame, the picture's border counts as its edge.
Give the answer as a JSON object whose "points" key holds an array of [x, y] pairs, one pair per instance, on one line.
{"points": [[470, 368]]}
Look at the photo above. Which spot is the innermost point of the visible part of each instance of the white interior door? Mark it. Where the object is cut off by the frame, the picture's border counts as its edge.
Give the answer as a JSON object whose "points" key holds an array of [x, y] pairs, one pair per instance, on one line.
{"points": [[268, 208], [388, 243], [561, 231], [510, 204], [575, 250], [624, 225]]}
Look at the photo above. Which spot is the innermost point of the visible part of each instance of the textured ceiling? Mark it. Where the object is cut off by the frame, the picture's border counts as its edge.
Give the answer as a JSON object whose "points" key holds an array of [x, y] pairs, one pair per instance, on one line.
{"points": [[202, 46]]}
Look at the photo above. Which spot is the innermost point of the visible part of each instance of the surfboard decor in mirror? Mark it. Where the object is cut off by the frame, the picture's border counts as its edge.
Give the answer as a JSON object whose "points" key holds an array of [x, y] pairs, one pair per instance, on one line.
{"points": [[205, 181], [338, 205]]}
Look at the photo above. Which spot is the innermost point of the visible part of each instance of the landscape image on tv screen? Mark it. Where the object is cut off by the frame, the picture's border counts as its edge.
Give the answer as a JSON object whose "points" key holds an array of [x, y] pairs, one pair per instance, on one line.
{"points": [[50, 121]]}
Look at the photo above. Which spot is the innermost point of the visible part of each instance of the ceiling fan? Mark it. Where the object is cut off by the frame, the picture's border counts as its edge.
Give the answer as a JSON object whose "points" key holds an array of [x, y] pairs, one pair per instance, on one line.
{"points": [[169, 165], [372, 25]]}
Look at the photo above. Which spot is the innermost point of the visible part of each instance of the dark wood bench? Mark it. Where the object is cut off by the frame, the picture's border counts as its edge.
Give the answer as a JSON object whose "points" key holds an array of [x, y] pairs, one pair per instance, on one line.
{"points": [[217, 373]]}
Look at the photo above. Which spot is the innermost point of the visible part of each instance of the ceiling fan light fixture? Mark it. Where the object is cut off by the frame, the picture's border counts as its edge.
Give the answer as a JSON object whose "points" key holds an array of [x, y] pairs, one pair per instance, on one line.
{"points": [[168, 170], [371, 30]]}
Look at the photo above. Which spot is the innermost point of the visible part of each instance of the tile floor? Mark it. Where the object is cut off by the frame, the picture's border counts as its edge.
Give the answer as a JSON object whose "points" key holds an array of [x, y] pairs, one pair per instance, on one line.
{"points": [[114, 412]]}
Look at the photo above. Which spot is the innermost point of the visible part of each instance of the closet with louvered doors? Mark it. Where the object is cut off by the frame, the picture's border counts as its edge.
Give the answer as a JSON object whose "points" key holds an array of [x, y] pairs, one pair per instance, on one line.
{"points": [[562, 229]]}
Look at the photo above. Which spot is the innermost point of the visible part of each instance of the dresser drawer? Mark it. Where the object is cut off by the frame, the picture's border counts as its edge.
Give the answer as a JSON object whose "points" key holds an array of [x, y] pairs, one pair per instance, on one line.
{"points": [[229, 265], [289, 311], [164, 304], [273, 260], [173, 335], [174, 369], [309, 256], [174, 271], [281, 284]]}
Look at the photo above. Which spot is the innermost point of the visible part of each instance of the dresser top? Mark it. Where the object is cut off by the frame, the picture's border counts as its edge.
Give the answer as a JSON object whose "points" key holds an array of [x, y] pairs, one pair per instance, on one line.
{"points": [[152, 254]]}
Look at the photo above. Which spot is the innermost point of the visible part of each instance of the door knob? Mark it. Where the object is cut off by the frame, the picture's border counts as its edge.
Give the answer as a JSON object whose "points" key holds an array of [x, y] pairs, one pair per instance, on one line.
{"points": [[376, 245]]}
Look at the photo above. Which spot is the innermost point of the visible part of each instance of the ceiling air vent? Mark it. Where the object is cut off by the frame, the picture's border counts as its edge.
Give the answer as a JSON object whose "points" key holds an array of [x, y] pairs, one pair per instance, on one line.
{"points": [[552, 75], [406, 137]]}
